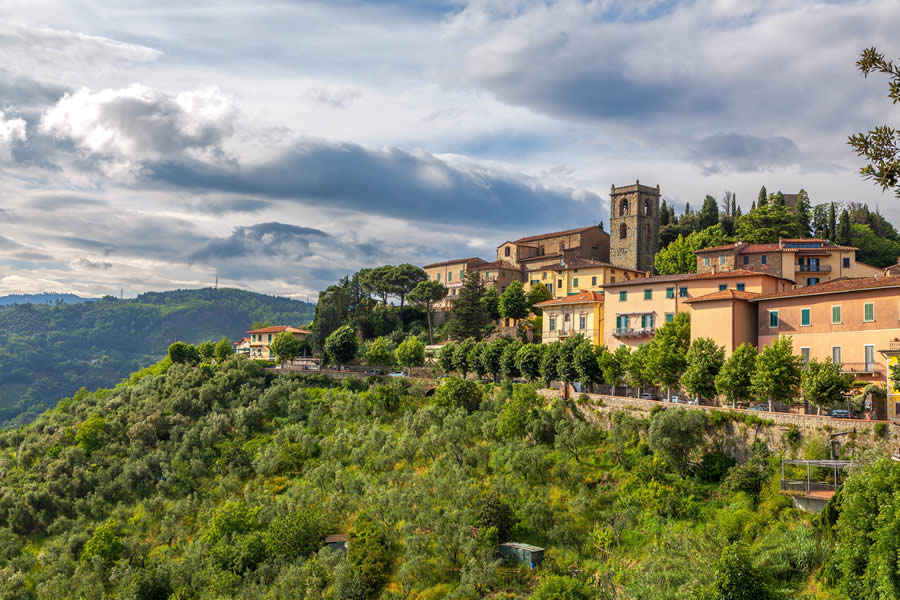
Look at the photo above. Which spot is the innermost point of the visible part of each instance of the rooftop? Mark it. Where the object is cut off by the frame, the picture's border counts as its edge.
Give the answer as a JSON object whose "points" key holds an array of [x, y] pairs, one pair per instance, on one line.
{"points": [[541, 257], [521, 546], [724, 295], [467, 261], [497, 264], [692, 277], [579, 298], [779, 246], [581, 263], [544, 236], [278, 329], [837, 286]]}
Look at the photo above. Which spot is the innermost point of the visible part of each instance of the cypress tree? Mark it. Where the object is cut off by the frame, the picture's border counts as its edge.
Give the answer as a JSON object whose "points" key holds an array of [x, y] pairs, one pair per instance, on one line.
{"points": [[832, 222], [470, 316], [663, 214], [763, 196], [843, 233]]}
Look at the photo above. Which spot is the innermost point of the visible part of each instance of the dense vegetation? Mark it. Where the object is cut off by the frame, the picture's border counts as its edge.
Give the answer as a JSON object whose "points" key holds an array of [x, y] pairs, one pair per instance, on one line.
{"points": [[47, 352], [223, 481], [44, 298]]}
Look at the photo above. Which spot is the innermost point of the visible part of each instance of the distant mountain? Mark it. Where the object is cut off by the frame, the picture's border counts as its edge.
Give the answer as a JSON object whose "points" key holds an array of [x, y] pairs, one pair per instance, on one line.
{"points": [[45, 298], [48, 352]]}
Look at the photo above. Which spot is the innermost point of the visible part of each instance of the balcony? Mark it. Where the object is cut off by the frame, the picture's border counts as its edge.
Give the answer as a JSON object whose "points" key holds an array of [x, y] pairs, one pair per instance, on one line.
{"points": [[894, 345], [639, 332], [814, 268], [863, 368]]}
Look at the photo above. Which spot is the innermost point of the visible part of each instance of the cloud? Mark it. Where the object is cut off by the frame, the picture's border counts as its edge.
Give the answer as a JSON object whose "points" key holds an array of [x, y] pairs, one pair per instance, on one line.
{"points": [[263, 240], [139, 123], [334, 98], [237, 204], [48, 202], [735, 152], [12, 130], [83, 263]]}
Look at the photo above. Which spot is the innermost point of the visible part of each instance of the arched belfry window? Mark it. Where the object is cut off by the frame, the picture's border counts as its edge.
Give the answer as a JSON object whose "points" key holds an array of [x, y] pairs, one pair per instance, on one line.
{"points": [[646, 207], [623, 231], [623, 208]]}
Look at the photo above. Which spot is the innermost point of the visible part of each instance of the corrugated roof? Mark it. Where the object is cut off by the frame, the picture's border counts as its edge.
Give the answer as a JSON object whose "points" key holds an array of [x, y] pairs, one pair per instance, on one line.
{"points": [[278, 329], [579, 298], [544, 236], [724, 295], [474, 259], [837, 286], [331, 539], [521, 546], [692, 277]]}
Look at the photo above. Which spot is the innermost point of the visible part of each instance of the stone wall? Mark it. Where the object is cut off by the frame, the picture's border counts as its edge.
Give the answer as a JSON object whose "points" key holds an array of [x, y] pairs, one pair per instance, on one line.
{"points": [[736, 437]]}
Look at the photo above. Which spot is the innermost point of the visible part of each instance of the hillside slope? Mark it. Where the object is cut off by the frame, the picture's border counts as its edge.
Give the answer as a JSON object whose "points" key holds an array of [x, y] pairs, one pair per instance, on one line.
{"points": [[47, 352], [44, 298], [223, 481]]}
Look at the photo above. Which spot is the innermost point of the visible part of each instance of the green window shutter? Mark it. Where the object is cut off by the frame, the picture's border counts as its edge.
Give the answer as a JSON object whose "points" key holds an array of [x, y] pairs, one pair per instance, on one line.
{"points": [[623, 296], [648, 294], [804, 316], [869, 311], [835, 314], [670, 317], [462, 275], [773, 318], [670, 292], [593, 281], [575, 282]]}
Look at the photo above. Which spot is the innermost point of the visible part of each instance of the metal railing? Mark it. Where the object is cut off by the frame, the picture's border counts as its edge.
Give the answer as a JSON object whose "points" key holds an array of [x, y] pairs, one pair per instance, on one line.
{"points": [[894, 345], [802, 486], [637, 332], [864, 367], [814, 268]]}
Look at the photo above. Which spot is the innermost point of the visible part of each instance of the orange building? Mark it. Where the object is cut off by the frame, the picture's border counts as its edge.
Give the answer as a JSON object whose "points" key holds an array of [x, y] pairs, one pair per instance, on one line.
{"points": [[854, 322], [261, 339]]}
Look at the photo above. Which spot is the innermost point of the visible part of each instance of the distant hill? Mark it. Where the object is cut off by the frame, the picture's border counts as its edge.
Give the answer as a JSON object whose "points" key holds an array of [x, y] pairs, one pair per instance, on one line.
{"points": [[48, 352], [44, 298]]}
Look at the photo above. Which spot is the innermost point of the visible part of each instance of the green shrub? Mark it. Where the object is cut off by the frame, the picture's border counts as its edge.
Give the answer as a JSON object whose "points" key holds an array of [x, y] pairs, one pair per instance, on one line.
{"points": [[714, 466], [459, 392], [879, 430]]}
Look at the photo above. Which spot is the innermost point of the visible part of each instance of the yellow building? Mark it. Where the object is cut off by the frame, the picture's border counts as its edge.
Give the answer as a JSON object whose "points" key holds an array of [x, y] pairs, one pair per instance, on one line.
{"points": [[261, 339], [580, 313], [451, 273], [578, 275]]}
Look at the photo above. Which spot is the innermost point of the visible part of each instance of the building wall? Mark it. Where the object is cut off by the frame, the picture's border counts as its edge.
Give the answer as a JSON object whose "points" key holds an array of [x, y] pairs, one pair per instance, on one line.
{"points": [[852, 334], [641, 225], [728, 323], [594, 322], [500, 278], [451, 276], [785, 264], [564, 280]]}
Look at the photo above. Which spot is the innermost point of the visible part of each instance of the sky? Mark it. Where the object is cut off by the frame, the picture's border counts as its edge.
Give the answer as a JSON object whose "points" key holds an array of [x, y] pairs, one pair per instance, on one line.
{"points": [[279, 145]]}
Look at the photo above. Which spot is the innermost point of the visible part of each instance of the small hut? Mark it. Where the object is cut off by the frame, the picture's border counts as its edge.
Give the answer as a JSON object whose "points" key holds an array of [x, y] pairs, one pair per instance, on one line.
{"points": [[525, 554], [337, 542]]}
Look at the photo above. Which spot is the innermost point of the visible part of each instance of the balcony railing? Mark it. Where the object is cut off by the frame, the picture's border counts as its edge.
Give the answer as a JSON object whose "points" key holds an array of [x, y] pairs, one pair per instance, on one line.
{"points": [[894, 345], [865, 368], [628, 332], [814, 268]]}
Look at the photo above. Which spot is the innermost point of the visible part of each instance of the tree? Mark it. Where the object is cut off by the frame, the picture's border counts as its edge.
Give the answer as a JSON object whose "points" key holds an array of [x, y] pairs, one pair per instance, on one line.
{"points": [[767, 224], [880, 146], [550, 363], [664, 218], [411, 352], [819, 222], [461, 393], [380, 352], [297, 534], [678, 256], [286, 347], [528, 361], [475, 360], [587, 367], [223, 349], [802, 212], [842, 237], [207, 350], [379, 281], [496, 512], [91, 434], [709, 213], [179, 352], [341, 346], [667, 357], [491, 303], [832, 221], [637, 371], [733, 380], [562, 587], [614, 365], [469, 317], [565, 363], [404, 279], [105, 543], [735, 577], [260, 324], [491, 357], [823, 383], [445, 356], [513, 302], [777, 375], [704, 361], [508, 365], [762, 198], [461, 356], [426, 294], [367, 552], [673, 433], [537, 294]]}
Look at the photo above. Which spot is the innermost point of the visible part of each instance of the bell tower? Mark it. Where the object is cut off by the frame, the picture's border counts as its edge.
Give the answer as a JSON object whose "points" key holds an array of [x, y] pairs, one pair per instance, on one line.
{"points": [[633, 226]]}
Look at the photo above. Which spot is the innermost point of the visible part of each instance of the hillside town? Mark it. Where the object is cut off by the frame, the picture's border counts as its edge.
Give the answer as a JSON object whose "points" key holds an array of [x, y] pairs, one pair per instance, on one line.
{"points": [[603, 287]]}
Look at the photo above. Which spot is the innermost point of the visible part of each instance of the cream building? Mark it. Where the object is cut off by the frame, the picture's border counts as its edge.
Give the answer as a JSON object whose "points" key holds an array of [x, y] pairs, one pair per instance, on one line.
{"points": [[451, 273], [577, 275], [581, 313]]}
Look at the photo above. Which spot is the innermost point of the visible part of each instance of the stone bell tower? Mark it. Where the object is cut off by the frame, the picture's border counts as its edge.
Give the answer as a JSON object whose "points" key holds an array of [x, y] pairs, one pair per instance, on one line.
{"points": [[633, 226]]}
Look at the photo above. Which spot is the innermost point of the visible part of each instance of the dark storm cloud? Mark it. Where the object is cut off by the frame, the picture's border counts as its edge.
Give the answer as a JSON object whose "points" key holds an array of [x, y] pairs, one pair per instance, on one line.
{"points": [[264, 239], [735, 152], [390, 182]]}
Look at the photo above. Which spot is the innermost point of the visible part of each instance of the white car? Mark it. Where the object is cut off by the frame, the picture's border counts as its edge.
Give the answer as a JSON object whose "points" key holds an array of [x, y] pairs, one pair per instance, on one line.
{"points": [[397, 374], [675, 399]]}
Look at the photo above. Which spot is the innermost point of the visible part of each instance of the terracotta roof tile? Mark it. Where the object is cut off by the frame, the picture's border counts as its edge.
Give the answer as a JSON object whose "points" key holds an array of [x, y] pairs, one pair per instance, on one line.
{"points": [[836, 286], [542, 256], [579, 298], [277, 329], [468, 261], [724, 295], [693, 277], [774, 247], [543, 236], [497, 264]]}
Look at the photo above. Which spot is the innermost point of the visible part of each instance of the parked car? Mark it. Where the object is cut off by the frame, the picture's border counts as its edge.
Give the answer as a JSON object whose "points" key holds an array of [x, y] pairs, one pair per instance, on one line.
{"points": [[397, 374], [839, 413], [374, 372], [694, 401], [675, 399], [759, 406], [646, 396]]}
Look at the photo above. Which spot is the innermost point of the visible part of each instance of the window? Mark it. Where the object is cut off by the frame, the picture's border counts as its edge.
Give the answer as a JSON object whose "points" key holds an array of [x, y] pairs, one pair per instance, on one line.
{"points": [[670, 317], [804, 317], [869, 354], [746, 260], [812, 280], [462, 275], [582, 322], [552, 323], [566, 318], [722, 260], [438, 277], [682, 292], [593, 281], [535, 282], [773, 319], [550, 287], [543, 275], [846, 262], [741, 286], [836, 355], [612, 279], [623, 231], [449, 276], [559, 284], [648, 294], [763, 260], [622, 322], [723, 287], [575, 282], [670, 292], [623, 296], [623, 208], [270, 337], [804, 356], [705, 261], [869, 311], [506, 251], [836, 314]]}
